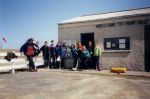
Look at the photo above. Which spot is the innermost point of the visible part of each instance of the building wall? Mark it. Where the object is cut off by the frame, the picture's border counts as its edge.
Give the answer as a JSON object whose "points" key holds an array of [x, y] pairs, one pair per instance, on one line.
{"points": [[133, 59]]}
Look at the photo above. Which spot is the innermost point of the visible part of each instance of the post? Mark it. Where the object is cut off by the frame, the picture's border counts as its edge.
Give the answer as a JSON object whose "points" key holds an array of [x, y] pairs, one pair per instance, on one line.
{"points": [[35, 60], [13, 69]]}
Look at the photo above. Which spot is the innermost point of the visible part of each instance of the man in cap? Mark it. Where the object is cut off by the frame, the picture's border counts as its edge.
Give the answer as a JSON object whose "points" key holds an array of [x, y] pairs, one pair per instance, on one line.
{"points": [[28, 50]]}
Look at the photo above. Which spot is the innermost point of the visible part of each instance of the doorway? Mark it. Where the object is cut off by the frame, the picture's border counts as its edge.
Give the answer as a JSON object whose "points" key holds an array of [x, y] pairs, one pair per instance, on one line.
{"points": [[86, 37], [147, 47]]}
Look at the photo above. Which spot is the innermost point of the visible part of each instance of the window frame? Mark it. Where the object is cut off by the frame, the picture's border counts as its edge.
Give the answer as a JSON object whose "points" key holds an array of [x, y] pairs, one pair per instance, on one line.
{"points": [[115, 41]]}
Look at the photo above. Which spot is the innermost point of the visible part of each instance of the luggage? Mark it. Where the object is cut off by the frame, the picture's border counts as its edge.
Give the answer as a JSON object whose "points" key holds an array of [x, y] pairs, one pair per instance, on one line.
{"points": [[68, 63], [118, 70]]}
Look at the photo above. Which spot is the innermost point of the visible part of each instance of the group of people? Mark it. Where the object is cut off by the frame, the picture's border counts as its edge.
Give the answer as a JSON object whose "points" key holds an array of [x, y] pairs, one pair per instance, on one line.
{"points": [[55, 57]]}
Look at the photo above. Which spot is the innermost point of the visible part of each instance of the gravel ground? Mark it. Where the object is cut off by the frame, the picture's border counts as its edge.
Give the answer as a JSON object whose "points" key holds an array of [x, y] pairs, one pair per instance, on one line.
{"points": [[48, 84]]}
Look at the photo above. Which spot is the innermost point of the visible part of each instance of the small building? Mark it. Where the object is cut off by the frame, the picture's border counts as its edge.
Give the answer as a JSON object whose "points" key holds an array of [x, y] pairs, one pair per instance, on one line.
{"points": [[123, 35]]}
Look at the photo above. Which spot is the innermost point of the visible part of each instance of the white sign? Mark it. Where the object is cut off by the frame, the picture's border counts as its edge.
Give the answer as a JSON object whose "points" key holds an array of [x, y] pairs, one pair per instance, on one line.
{"points": [[122, 41], [108, 44]]}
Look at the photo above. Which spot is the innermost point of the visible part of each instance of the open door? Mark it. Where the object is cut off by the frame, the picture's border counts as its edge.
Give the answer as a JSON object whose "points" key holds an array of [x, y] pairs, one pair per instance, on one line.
{"points": [[86, 37], [147, 47]]}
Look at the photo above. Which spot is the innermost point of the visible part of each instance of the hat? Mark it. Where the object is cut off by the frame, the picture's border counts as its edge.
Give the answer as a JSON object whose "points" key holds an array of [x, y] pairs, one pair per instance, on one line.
{"points": [[52, 40], [31, 39], [45, 42]]}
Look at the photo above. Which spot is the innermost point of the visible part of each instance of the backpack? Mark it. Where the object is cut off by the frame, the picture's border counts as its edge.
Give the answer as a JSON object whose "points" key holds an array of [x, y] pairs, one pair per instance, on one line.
{"points": [[36, 52], [68, 53], [10, 55]]}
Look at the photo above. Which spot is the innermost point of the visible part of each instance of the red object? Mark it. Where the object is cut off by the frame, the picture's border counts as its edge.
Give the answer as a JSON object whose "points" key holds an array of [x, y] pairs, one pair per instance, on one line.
{"points": [[30, 51], [4, 39]]}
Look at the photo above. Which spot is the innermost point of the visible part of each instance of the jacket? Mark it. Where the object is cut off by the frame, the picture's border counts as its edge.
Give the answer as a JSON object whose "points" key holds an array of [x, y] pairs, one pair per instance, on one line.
{"points": [[52, 51], [97, 51], [63, 52], [45, 51], [74, 53], [58, 50], [25, 47], [85, 54]]}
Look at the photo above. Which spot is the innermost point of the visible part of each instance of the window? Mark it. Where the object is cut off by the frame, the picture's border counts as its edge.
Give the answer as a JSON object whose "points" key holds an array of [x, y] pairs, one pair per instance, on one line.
{"points": [[120, 43]]}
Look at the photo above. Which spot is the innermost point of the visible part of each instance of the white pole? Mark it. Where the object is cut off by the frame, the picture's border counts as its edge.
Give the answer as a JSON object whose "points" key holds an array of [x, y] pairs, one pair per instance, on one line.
{"points": [[13, 69]]}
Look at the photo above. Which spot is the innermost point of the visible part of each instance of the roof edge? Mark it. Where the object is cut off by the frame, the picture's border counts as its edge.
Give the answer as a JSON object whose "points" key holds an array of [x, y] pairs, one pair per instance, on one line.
{"points": [[117, 11]]}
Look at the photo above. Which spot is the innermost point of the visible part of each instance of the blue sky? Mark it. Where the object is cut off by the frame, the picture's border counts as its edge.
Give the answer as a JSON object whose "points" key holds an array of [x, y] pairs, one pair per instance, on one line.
{"points": [[22, 19]]}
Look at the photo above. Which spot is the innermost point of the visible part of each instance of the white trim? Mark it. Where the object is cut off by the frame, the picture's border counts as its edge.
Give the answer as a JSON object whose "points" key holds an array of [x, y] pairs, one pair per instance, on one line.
{"points": [[103, 16], [117, 51]]}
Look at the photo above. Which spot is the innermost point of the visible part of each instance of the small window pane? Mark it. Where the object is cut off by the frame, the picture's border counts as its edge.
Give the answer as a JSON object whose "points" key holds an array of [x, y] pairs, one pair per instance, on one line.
{"points": [[108, 44], [122, 40], [122, 46], [113, 45]]}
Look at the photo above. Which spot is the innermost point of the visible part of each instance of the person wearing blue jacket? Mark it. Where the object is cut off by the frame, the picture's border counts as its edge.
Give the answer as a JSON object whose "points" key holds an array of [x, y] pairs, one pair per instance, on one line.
{"points": [[74, 53], [58, 54], [52, 55], [29, 51], [63, 55]]}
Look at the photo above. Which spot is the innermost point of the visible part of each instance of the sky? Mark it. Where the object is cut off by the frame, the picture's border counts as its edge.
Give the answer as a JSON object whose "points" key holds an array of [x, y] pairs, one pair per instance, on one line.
{"points": [[23, 19]]}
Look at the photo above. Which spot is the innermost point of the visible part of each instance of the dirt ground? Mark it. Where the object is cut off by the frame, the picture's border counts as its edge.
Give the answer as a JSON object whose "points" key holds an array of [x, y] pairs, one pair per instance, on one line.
{"points": [[47, 84]]}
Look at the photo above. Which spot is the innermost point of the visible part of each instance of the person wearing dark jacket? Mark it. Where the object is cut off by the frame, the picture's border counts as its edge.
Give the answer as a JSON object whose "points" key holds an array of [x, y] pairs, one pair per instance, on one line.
{"points": [[74, 53], [63, 55], [28, 50], [45, 50], [52, 54], [91, 51], [58, 54], [37, 48]]}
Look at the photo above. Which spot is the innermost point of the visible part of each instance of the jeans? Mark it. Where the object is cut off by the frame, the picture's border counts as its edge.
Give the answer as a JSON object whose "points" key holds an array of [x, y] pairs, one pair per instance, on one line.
{"points": [[31, 63], [96, 62], [53, 62], [46, 61]]}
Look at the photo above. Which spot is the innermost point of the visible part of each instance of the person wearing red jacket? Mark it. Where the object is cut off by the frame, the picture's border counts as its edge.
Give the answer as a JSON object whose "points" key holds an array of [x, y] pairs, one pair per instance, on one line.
{"points": [[29, 50]]}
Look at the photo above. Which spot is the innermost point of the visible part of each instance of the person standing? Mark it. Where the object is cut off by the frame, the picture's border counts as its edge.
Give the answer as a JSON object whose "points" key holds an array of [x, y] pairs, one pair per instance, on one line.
{"points": [[36, 52], [29, 50], [58, 54], [91, 51], [97, 55], [52, 54], [74, 53], [45, 50], [37, 48], [79, 50], [85, 58], [63, 55]]}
